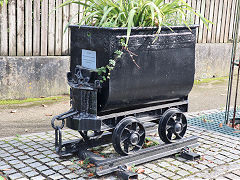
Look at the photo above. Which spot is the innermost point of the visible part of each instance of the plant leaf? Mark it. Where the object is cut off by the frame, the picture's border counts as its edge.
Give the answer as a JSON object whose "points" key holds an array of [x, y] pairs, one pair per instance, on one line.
{"points": [[130, 24]]}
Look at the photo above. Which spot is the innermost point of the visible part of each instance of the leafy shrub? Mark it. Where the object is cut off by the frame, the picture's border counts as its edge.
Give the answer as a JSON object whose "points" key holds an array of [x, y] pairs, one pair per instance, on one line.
{"points": [[134, 13]]}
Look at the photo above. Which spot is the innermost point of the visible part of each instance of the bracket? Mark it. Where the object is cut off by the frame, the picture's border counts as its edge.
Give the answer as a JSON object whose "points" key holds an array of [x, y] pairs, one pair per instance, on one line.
{"points": [[190, 156]]}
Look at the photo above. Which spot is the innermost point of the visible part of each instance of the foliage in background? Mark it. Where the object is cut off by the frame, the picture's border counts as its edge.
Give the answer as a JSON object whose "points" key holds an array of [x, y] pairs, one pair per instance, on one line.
{"points": [[135, 13], [3, 1]]}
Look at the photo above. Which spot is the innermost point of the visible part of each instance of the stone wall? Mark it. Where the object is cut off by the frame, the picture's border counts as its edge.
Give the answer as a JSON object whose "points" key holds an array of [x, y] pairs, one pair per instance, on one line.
{"points": [[213, 60], [24, 77], [35, 76]]}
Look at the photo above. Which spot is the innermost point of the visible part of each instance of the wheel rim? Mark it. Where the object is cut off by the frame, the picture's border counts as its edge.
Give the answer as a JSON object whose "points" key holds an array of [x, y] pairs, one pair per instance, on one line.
{"points": [[128, 136], [172, 125]]}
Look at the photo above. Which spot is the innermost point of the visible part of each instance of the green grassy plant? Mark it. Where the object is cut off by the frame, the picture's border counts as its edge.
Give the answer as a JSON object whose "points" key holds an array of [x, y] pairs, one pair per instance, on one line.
{"points": [[129, 14], [135, 13], [16, 101], [3, 1], [208, 80], [149, 142]]}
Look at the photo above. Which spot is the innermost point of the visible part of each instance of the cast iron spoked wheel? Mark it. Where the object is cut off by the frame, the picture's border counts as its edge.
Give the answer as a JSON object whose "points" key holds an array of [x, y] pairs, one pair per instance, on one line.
{"points": [[128, 136], [172, 125], [87, 135]]}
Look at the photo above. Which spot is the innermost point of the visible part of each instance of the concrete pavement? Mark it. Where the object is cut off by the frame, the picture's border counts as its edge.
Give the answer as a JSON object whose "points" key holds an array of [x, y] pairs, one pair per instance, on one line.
{"points": [[32, 156], [27, 144]]}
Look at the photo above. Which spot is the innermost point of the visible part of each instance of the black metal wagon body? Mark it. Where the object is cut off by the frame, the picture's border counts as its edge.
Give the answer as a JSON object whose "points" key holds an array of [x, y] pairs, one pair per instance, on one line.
{"points": [[151, 89]]}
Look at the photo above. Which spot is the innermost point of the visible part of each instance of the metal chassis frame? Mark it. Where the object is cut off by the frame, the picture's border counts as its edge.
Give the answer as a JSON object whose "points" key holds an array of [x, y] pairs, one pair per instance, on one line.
{"points": [[119, 164]]}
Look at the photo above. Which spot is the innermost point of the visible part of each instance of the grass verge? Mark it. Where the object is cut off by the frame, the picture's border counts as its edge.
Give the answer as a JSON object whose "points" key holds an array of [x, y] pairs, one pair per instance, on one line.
{"points": [[207, 80], [32, 100]]}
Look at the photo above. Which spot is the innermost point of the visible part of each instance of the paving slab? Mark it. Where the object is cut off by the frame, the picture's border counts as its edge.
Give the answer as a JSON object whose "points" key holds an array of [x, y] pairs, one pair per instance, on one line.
{"points": [[29, 158]]}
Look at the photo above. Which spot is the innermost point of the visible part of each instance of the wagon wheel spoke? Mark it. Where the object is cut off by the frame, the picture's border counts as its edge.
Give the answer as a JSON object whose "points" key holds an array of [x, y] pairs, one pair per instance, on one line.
{"points": [[168, 127], [169, 135], [171, 122], [179, 120], [125, 138], [134, 126], [138, 146], [141, 133], [178, 136], [127, 130], [179, 116], [126, 147]]}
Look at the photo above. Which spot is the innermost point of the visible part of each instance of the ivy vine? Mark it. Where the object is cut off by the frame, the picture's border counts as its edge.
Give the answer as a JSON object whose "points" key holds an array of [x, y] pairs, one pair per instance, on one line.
{"points": [[105, 71]]}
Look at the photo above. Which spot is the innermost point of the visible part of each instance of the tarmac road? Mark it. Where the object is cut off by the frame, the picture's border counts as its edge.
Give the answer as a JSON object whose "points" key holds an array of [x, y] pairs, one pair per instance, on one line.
{"points": [[37, 118]]}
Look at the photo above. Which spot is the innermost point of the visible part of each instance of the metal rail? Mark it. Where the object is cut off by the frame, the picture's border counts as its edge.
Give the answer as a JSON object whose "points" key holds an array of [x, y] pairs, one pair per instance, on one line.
{"points": [[107, 166]]}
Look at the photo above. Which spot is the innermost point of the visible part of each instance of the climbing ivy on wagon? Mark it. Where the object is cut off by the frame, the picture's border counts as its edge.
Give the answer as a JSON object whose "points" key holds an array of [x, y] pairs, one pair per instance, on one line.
{"points": [[105, 71]]}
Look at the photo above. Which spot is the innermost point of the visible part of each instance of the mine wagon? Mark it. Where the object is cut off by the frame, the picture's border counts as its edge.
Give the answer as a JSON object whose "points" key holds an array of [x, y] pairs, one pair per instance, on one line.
{"points": [[147, 91]]}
